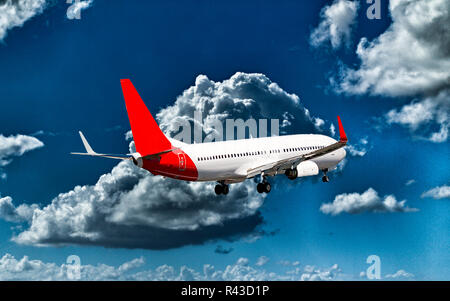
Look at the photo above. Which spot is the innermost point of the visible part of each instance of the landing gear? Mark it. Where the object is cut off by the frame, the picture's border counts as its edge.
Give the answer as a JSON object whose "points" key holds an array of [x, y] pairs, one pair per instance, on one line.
{"points": [[291, 173], [325, 178], [264, 186], [221, 189]]}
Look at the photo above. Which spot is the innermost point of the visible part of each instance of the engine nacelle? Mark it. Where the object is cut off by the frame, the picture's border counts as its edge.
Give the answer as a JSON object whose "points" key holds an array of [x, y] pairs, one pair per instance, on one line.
{"points": [[307, 168], [137, 159]]}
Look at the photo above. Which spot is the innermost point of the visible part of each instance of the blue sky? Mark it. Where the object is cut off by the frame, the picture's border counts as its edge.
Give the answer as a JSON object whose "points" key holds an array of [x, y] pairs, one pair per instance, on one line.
{"points": [[60, 75]]}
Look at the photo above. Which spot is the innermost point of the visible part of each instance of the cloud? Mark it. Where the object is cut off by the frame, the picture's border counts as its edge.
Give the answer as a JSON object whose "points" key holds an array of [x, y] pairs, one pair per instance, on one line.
{"points": [[369, 201], [10, 213], [427, 118], [15, 146], [358, 149], [410, 182], [411, 58], [74, 11], [441, 192], [129, 208], [131, 265], [400, 274], [289, 263], [262, 260], [221, 250], [243, 96], [258, 234], [312, 273], [337, 21], [28, 269], [14, 13]]}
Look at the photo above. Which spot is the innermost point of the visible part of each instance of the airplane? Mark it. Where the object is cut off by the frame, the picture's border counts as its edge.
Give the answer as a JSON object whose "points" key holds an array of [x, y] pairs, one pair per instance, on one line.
{"points": [[224, 162]]}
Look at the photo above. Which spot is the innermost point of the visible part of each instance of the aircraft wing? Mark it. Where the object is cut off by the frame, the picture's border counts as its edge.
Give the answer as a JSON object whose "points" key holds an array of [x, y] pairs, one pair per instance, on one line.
{"points": [[292, 162]]}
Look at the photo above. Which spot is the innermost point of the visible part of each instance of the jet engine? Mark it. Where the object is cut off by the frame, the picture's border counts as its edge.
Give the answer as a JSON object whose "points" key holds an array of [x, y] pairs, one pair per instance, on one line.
{"points": [[137, 159], [304, 169], [307, 168]]}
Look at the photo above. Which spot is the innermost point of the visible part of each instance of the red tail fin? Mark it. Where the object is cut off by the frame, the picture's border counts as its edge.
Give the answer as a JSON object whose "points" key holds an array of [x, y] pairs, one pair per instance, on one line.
{"points": [[148, 137]]}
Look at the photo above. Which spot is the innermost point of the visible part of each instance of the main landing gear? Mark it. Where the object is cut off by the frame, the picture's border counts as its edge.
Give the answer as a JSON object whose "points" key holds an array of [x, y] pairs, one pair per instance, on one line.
{"points": [[221, 188], [325, 178], [264, 186], [291, 173]]}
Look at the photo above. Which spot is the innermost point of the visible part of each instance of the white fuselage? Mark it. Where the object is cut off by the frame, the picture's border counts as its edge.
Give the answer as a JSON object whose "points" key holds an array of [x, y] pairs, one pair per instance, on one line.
{"points": [[222, 160]]}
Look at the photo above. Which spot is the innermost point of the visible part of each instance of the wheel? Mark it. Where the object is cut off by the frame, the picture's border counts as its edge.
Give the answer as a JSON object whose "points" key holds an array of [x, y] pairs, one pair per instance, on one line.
{"points": [[325, 179], [218, 189], [291, 173], [267, 187], [225, 189], [260, 187]]}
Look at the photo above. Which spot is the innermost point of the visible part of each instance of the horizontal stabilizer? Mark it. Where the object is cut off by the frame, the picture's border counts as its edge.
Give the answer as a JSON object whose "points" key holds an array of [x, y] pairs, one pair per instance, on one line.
{"points": [[91, 152]]}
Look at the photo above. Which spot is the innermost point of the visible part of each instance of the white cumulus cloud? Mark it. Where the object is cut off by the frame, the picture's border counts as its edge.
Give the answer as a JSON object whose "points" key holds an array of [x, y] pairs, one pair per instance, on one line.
{"points": [[368, 201], [336, 24], [14, 13], [131, 208], [29, 269], [426, 118], [243, 96], [10, 213], [15, 146], [440, 192], [312, 273], [411, 58]]}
